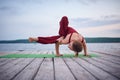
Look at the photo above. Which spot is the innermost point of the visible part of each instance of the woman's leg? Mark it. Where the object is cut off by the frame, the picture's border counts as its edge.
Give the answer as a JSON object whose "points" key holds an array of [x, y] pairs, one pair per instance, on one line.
{"points": [[63, 30], [44, 40], [48, 40]]}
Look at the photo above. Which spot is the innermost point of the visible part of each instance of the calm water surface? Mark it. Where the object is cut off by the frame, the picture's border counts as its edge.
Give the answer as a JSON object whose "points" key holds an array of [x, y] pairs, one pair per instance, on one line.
{"points": [[107, 47]]}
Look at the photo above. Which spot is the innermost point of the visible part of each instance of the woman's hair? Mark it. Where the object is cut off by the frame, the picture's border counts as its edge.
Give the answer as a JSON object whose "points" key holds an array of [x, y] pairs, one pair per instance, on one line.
{"points": [[77, 46]]}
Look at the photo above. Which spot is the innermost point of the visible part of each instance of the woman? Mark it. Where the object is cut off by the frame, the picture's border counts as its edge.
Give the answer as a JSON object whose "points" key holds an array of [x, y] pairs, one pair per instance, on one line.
{"points": [[67, 35]]}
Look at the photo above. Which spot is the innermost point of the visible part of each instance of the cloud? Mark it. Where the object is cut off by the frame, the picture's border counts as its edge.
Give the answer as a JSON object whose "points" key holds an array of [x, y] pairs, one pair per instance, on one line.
{"points": [[22, 18], [89, 22], [111, 17], [81, 20], [112, 30], [5, 11], [83, 2], [4, 8]]}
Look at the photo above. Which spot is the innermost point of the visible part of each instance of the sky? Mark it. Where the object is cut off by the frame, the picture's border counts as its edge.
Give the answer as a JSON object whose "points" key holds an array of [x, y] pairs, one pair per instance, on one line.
{"points": [[20, 19]]}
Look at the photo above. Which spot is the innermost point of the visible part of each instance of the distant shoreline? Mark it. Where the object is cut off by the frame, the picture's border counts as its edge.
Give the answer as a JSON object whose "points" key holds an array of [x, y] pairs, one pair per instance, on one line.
{"points": [[88, 40]]}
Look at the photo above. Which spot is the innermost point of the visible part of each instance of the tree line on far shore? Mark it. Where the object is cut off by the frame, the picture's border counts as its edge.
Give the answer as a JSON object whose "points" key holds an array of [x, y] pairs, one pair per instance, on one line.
{"points": [[88, 40]]}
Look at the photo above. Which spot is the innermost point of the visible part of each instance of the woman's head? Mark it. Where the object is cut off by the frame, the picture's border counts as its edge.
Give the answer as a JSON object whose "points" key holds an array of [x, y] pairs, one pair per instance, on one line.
{"points": [[75, 46]]}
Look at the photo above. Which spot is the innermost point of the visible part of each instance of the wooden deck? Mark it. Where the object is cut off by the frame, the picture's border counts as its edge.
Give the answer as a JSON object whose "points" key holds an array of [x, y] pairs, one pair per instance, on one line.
{"points": [[105, 67]]}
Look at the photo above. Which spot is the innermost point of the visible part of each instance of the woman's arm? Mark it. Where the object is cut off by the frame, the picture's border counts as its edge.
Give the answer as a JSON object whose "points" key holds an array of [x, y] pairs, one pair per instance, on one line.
{"points": [[85, 48], [60, 39], [57, 49], [65, 40]]}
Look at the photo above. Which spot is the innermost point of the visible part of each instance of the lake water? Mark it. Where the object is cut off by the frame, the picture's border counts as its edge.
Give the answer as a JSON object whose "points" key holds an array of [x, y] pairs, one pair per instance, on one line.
{"points": [[111, 48], [27, 47], [104, 47]]}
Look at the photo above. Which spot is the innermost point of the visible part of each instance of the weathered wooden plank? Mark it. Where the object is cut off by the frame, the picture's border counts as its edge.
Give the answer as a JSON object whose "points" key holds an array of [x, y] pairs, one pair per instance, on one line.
{"points": [[7, 52], [109, 58], [58, 68], [97, 72], [2, 60], [111, 68], [108, 53], [62, 72], [112, 60], [108, 63], [79, 72], [30, 71], [5, 61], [16, 69], [9, 65], [46, 71]]}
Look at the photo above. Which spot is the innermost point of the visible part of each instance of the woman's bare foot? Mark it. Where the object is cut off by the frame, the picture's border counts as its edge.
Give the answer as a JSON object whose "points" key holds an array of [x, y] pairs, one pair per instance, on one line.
{"points": [[31, 39], [58, 55]]}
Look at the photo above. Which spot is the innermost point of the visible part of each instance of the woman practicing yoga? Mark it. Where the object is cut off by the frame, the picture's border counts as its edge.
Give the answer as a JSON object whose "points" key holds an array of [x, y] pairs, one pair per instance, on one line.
{"points": [[67, 35]]}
